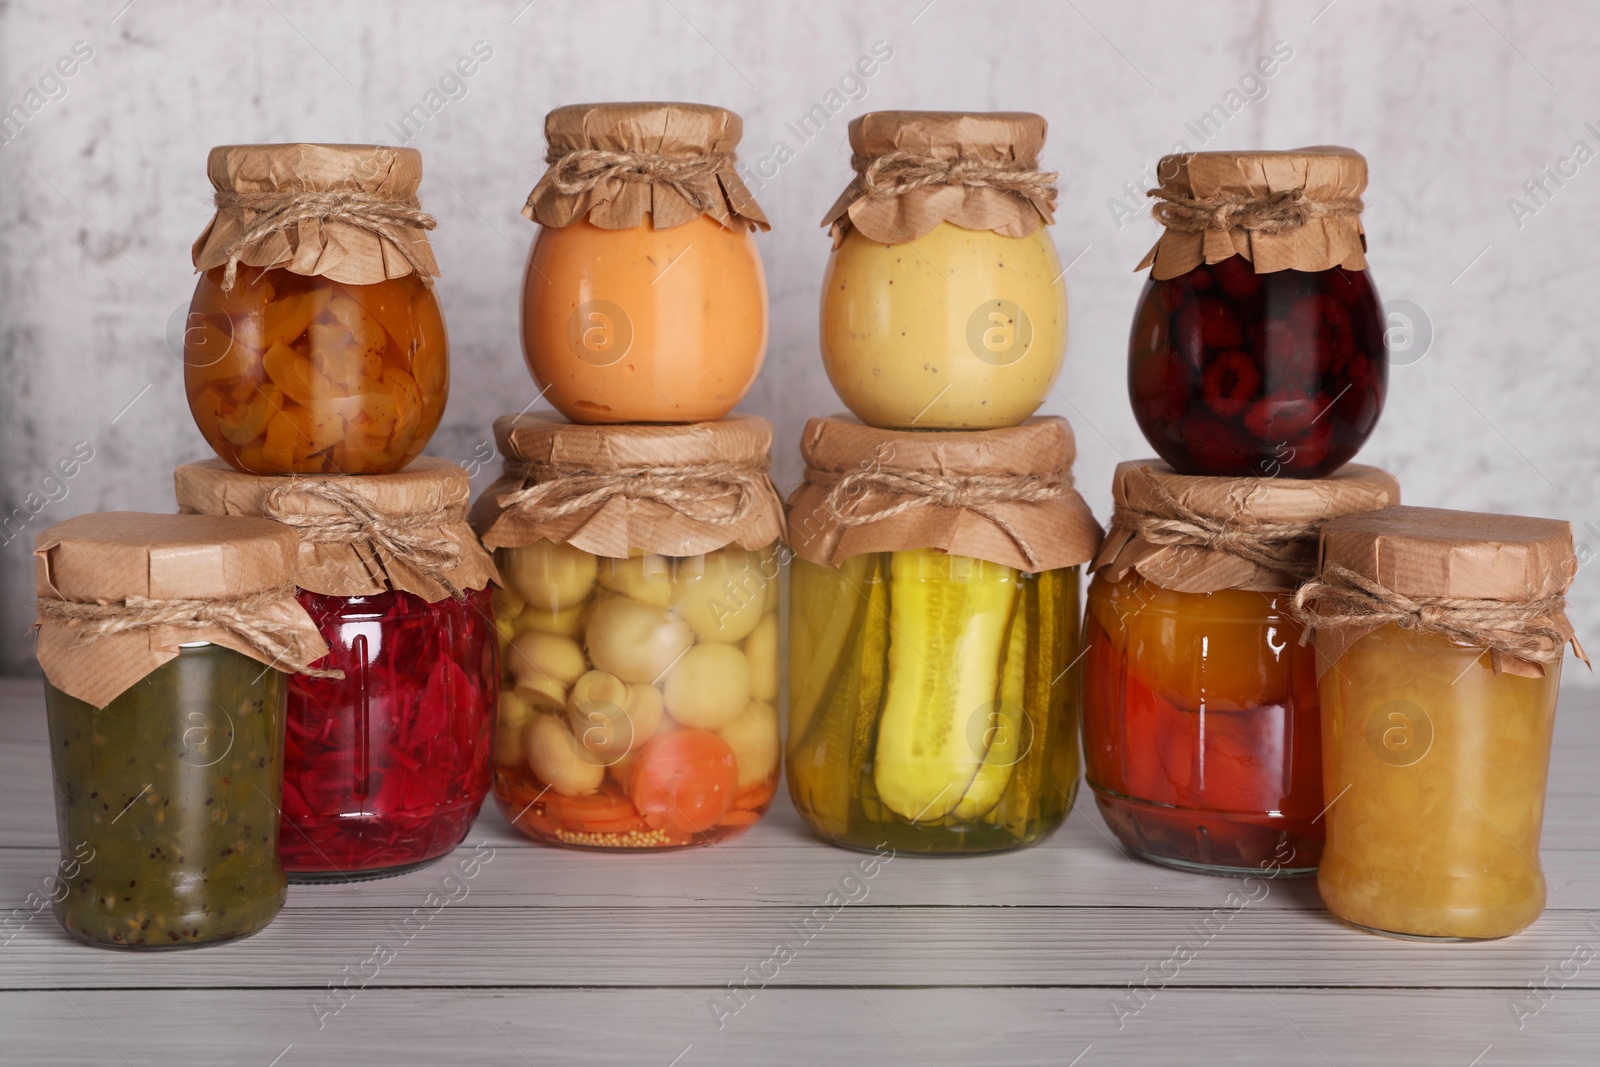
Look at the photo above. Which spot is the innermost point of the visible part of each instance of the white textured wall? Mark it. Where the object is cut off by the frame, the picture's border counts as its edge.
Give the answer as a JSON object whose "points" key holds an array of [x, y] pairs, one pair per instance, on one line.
{"points": [[1456, 105]]}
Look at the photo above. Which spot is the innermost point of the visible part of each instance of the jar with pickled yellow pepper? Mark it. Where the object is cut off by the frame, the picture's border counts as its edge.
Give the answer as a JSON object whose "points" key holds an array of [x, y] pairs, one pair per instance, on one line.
{"points": [[943, 303], [314, 343], [1439, 638], [639, 630], [933, 679]]}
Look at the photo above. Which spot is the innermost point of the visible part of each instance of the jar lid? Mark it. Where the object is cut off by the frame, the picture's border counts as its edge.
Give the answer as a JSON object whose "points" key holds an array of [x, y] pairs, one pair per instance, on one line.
{"points": [[1493, 580], [916, 169], [119, 592], [1197, 534], [616, 163], [617, 490], [1003, 495], [360, 535], [1298, 209], [347, 212]]}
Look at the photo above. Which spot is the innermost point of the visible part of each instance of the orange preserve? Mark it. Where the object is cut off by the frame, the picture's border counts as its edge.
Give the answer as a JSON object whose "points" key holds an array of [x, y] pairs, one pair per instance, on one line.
{"points": [[314, 343], [644, 299]]}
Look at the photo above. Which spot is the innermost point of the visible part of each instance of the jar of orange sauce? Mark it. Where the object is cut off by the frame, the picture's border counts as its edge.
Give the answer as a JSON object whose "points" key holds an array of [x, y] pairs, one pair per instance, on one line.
{"points": [[644, 299]]}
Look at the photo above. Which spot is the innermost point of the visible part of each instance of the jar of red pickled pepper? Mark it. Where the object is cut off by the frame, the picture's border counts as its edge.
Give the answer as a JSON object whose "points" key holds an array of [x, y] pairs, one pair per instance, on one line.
{"points": [[386, 769], [1258, 343], [314, 343], [1200, 712]]}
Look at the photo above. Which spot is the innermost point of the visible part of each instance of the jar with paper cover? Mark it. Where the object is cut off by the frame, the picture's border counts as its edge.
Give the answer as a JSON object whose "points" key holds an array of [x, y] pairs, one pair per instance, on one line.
{"points": [[164, 640], [644, 298], [933, 677], [943, 303], [1200, 715], [1258, 344], [1439, 638], [314, 343], [638, 622], [385, 768]]}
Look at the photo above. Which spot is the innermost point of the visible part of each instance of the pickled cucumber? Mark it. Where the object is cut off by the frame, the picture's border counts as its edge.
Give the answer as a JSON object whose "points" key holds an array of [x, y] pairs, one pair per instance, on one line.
{"points": [[1004, 736], [948, 634]]}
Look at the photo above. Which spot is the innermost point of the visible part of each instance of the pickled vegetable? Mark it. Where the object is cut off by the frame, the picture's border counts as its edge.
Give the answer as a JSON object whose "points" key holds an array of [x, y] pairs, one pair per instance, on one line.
{"points": [[175, 788], [935, 701], [634, 693], [290, 374]]}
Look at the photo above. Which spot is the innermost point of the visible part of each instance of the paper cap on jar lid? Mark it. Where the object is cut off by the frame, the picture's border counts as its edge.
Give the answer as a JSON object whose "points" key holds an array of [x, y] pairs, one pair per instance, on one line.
{"points": [[1003, 495], [359, 535], [347, 212], [916, 169], [1198, 534], [118, 592], [617, 163], [677, 490], [1298, 209]]}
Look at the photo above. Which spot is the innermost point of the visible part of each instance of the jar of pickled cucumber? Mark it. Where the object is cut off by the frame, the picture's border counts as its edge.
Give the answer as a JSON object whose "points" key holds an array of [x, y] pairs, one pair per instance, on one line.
{"points": [[385, 768], [1200, 718], [158, 636], [1258, 343], [1439, 638], [314, 343], [638, 620], [943, 304], [933, 679], [644, 298]]}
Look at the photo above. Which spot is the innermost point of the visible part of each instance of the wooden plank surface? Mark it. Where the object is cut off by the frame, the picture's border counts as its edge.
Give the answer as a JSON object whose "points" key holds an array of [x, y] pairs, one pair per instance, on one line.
{"points": [[552, 956]]}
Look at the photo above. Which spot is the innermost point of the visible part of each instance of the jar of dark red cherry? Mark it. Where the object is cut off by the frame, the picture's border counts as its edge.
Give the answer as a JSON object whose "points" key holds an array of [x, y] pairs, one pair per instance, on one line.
{"points": [[385, 769], [1258, 344]]}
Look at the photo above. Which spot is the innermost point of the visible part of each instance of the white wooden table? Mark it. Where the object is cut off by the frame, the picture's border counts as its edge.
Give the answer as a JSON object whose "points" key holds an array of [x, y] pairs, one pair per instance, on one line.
{"points": [[556, 957]]}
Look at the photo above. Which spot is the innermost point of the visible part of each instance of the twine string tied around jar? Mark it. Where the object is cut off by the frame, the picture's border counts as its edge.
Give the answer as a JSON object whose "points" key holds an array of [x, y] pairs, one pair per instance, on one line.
{"points": [[1274, 213], [716, 494], [897, 173], [1285, 547], [578, 170], [383, 214]]}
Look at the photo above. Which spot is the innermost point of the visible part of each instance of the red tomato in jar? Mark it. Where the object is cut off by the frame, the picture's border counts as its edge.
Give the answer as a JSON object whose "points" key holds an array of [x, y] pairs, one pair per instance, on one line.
{"points": [[685, 781]]}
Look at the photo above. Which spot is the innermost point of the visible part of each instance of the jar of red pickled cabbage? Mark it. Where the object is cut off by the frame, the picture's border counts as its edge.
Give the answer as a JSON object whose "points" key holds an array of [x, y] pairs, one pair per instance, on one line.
{"points": [[1200, 712], [384, 769], [1258, 343], [314, 343]]}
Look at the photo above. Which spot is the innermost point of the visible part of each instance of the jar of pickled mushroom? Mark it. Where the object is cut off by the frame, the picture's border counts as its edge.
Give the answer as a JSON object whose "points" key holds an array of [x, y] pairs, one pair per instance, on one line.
{"points": [[638, 623], [1200, 715], [644, 299], [933, 648], [1258, 343], [943, 304], [1439, 637], [314, 343], [158, 636], [386, 768]]}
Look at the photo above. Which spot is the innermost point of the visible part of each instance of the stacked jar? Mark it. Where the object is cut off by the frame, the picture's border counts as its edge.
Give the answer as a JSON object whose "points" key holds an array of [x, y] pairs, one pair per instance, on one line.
{"points": [[933, 680], [1256, 370], [638, 543], [317, 366]]}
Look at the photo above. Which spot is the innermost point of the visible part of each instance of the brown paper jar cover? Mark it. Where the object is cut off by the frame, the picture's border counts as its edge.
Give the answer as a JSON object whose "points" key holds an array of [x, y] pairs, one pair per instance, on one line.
{"points": [[325, 247], [997, 137], [1148, 487], [109, 557], [1060, 531], [427, 501], [622, 518], [1324, 172], [1435, 552], [681, 132]]}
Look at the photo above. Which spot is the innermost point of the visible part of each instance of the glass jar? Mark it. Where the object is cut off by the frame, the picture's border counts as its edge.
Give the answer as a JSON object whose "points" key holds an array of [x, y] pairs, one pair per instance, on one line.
{"points": [[638, 696], [294, 374], [943, 303], [1201, 730], [644, 299], [386, 768], [171, 791], [934, 701], [1435, 768]]}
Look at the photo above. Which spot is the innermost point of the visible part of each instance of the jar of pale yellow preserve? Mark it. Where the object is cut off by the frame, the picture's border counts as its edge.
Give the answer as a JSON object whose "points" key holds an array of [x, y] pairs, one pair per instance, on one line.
{"points": [[1439, 637], [943, 305]]}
